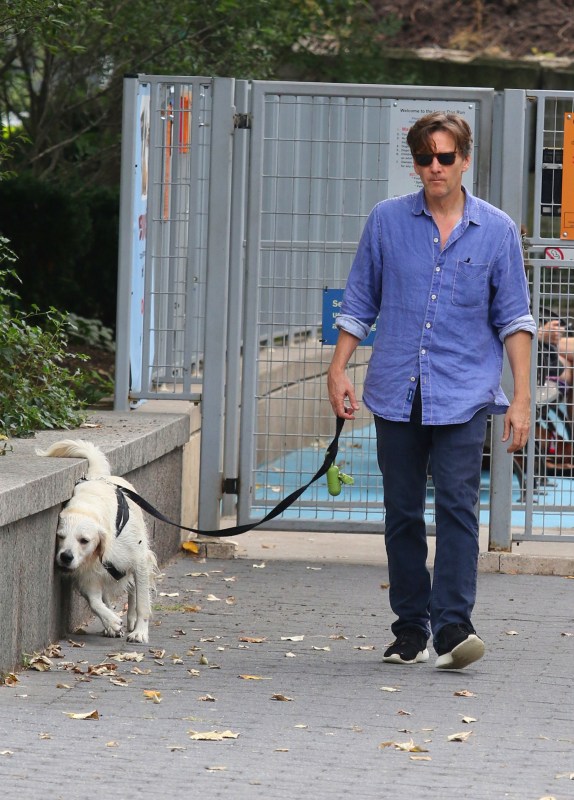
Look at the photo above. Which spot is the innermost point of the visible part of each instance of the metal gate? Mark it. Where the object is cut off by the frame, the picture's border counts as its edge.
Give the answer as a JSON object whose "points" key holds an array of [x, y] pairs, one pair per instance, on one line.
{"points": [[256, 196]]}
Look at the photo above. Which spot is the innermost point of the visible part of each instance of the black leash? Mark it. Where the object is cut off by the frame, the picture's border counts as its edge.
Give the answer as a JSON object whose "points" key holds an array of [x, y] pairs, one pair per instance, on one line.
{"points": [[330, 457]]}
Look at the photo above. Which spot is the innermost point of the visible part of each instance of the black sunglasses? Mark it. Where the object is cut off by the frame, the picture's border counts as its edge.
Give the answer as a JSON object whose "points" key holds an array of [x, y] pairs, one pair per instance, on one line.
{"points": [[426, 159]]}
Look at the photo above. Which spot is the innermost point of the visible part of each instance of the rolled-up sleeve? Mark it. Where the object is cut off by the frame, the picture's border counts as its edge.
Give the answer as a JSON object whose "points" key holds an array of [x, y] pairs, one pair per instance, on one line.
{"points": [[353, 326], [523, 323]]}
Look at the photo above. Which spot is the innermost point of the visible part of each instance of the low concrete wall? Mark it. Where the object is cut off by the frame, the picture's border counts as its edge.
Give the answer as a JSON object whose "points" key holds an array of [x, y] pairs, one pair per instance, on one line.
{"points": [[37, 605]]}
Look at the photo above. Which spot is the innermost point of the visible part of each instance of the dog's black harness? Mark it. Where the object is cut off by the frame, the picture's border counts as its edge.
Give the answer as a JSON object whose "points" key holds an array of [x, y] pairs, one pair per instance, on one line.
{"points": [[122, 517]]}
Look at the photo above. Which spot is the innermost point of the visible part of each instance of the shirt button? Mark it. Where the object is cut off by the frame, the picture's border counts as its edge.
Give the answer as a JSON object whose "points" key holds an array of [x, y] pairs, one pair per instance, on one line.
{"points": [[428, 325], [433, 296], [413, 379], [435, 240], [423, 352], [437, 269]]}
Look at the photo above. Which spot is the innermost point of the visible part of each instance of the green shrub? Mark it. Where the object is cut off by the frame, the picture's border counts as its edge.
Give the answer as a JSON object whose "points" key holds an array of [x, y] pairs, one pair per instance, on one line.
{"points": [[37, 390]]}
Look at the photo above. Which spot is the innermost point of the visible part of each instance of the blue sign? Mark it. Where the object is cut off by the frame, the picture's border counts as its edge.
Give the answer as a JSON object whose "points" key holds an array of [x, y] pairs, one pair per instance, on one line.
{"points": [[332, 301]]}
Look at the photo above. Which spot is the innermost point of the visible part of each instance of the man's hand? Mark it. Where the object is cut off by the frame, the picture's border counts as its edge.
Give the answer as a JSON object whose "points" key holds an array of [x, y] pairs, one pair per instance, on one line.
{"points": [[517, 420], [341, 394]]}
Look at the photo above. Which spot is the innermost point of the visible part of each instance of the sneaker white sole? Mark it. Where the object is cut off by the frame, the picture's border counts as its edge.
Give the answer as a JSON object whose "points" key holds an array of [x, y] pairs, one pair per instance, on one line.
{"points": [[463, 654], [420, 658]]}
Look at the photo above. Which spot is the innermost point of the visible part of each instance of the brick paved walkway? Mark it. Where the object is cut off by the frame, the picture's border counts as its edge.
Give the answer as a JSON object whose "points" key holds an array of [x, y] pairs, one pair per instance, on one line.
{"points": [[344, 703]]}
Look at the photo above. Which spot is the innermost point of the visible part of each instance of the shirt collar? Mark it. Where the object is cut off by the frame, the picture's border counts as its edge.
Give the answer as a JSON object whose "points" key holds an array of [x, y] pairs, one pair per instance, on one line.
{"points": [[471, 209]]}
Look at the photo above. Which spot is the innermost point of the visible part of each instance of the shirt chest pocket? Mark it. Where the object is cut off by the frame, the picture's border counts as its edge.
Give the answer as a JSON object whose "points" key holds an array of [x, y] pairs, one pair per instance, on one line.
{"points": [[470, 281]]}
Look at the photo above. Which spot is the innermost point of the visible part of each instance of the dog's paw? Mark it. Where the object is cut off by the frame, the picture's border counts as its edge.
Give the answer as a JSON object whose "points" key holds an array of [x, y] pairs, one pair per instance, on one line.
{"points": [[113, 626], [113, 632], [137, 636]]}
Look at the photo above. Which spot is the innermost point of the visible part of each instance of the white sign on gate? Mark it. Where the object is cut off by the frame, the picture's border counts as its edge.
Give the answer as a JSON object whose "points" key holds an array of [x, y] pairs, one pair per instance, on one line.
{"points": [[404, 113]]}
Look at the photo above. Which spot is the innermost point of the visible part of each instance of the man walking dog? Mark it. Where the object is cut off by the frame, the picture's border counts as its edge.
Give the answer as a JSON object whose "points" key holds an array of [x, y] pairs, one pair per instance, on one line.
{"points": [[444, 273]]}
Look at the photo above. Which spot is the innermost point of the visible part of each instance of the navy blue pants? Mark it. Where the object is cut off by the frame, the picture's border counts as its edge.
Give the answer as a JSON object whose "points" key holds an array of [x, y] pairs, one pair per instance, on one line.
{"points": [[405, 452]]}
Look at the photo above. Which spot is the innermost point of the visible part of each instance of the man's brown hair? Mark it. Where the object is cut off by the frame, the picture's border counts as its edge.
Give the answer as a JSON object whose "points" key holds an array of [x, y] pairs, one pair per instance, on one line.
{"points": [[419, 137]]}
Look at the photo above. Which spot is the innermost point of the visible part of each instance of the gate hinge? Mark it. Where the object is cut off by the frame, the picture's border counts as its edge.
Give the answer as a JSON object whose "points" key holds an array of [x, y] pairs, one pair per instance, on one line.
{"points": [[231, 486], [242, 121]]}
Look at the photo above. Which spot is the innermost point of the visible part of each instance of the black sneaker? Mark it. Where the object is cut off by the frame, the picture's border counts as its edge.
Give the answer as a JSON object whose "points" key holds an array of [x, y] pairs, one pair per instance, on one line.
{"points": [[410, 647], [458, 646]]}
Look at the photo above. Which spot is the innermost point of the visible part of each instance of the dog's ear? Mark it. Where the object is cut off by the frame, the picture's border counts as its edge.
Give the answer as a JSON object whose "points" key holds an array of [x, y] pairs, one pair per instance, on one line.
{"points": [[101, 546]]}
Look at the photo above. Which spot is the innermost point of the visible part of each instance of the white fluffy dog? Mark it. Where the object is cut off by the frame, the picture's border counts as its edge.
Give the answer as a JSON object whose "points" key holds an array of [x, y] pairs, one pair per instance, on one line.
{"points": [[102, 542]]}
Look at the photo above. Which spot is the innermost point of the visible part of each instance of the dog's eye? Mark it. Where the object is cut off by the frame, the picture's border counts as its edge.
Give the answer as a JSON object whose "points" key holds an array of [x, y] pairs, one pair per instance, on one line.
{"points": [[83, 540]]}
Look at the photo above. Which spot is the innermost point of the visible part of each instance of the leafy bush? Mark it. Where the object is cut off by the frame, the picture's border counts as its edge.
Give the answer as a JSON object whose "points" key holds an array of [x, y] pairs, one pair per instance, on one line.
{"points": [[37, 391]]}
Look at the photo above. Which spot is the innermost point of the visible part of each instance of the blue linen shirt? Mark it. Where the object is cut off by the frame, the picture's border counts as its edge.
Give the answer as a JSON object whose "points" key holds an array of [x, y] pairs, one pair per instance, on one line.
{"points": [[443, 314]]}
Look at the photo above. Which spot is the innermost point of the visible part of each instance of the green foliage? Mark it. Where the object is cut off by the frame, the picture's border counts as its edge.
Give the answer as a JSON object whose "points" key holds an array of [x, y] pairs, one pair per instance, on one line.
{"points": [[36, 388], [66, 243], [91, 332], [61, 81]]}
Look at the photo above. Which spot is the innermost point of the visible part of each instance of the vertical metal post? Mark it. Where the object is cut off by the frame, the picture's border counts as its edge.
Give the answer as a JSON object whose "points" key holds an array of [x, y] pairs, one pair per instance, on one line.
{"points": [[513, 149], [125, 254], [219, 220], [235, 304]]}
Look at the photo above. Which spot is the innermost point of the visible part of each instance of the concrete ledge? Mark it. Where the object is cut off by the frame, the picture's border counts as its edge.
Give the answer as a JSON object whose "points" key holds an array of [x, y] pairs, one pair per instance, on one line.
{"points": [[36, 601]]}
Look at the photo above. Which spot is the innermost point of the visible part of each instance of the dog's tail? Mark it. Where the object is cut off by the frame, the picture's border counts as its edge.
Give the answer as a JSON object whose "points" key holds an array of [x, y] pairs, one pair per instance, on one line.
{"points": [[98, 464]]}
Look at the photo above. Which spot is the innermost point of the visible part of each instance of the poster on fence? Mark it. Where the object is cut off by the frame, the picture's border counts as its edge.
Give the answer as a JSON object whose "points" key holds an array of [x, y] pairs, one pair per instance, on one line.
{"points": [[404, 113]]}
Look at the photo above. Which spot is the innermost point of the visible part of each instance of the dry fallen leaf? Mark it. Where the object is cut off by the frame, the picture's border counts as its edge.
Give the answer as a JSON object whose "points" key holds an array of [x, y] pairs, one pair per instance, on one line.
{"points": [[409, 747], [152, 694], [512, 633], [364, 647], [190, 547], [420, 758], [216, 769], [464, 693], [459, 737], [102, 669], [213, 599], [281, 697], [11, 680], [169, 594], [112, 744], [403, 713], [88, 715], [44, 736], [259, 566], [126, 656], [6, 752], [207, 698], [55, 650], [212, 736], [40, 663], [389, 689], [569, 775], [468, 720], [253, 678], [290, 655], [326, 649], [252, 639], [292, 638]]}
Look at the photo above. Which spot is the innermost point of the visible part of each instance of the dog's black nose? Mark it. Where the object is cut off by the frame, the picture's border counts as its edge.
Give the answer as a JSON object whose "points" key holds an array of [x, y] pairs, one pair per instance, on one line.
{"points": [[65, 557]]}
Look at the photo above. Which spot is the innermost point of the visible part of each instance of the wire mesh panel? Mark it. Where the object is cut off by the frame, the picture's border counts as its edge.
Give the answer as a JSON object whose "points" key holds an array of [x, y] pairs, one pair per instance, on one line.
{"points": [[320, 161], [167, 264], [543, 502]]}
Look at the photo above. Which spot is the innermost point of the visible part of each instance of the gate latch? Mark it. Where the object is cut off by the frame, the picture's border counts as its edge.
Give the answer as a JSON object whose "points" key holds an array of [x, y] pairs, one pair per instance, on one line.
{"points": [[242, 121], [231, 486]]}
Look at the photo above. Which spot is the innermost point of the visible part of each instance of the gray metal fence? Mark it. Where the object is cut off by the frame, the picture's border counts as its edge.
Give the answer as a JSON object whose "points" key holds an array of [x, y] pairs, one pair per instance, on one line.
{"points": [[256, 196]]}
